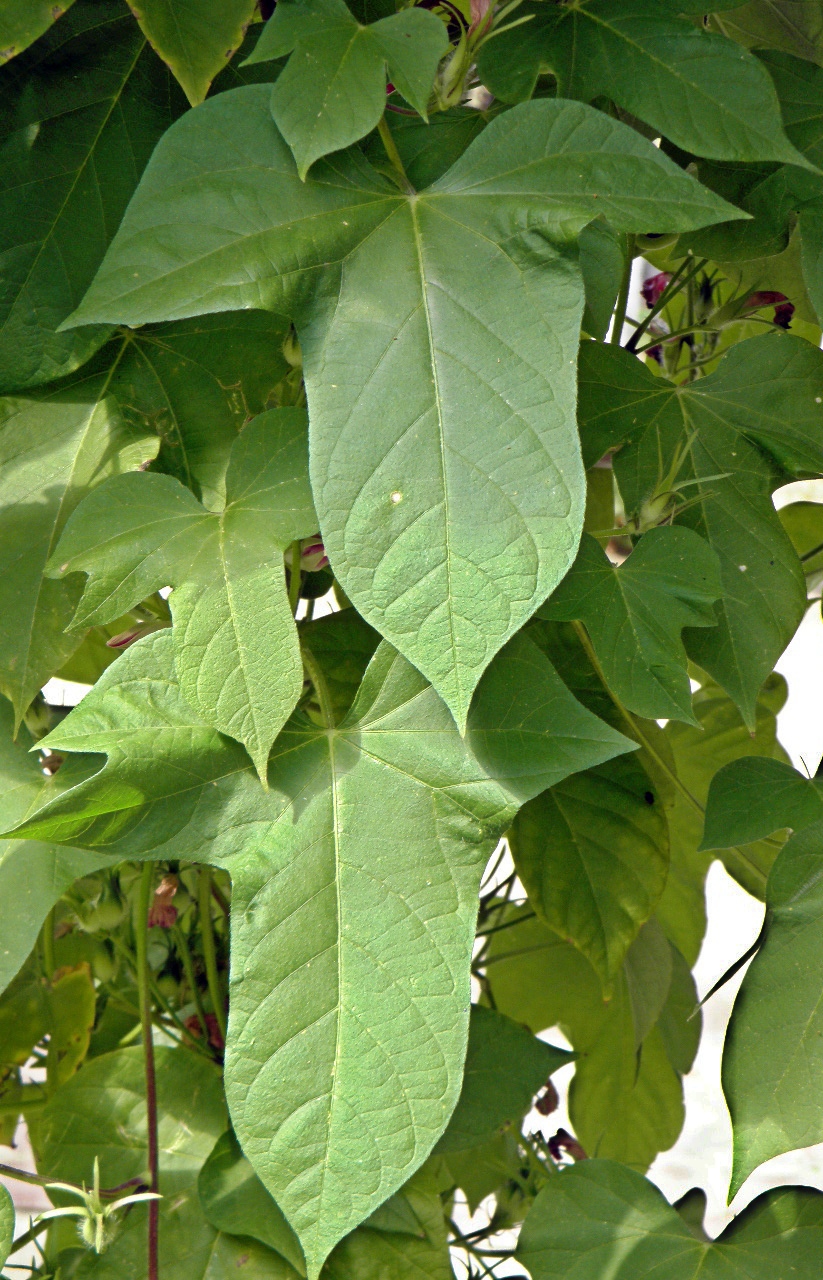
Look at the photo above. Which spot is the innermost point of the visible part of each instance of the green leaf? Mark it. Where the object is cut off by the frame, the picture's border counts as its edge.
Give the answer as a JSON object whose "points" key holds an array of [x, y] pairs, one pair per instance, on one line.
{"points": [[598, 1219], [6, 1224], [195, 384], [236, 648], [333, 89], [196, 40], [803, 522], [773, 1056], [53, 449], [699, 90], [624, 1105], [602, 262], [750, 798], [795, 26], [634, 615], [593, 856], [102, 1112], [698, 754], [741, 430], [648, 969], [417, 450], [427, 148], [679, 1025], [80, 116], [332, 969], [24, 21], [343, 644], [505, 1067], [379, 1255], [234, 1200]]}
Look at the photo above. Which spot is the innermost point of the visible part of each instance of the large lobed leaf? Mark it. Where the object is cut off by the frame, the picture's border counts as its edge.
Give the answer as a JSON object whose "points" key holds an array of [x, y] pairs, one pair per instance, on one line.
{"points": [[352, 932], [598, 1219], [439, 333], [698, 89], [237, 653], [333, 89]]}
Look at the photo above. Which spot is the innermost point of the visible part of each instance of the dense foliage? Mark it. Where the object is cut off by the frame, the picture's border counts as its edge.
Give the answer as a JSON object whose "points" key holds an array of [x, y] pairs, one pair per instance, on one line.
{"points": [[327, 302]]}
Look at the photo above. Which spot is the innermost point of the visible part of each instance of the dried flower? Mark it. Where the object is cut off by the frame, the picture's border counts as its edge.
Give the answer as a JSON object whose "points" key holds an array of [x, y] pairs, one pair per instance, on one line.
{"points": [[162, 915]]}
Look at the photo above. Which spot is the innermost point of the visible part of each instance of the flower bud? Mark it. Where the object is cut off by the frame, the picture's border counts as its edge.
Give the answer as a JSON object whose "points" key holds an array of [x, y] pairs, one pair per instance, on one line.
{"points": [[653, 288]]}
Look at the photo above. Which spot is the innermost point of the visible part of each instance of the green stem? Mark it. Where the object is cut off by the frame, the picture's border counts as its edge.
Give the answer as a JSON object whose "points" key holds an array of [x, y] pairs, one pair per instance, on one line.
{"points": [[161, 1000], [810, 555], [210, 950], [49, 964], [22, 1175], [675, 285], [144, 1000], [28, 1237], [394, 156], [188, 968], [320, 687], [678, 333], [295, 577], [623, 295]]}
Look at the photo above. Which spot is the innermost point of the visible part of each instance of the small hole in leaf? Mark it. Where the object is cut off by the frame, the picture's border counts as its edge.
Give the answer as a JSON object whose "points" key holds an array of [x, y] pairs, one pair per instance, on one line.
{"points": [[396, 497], [648, 796]]}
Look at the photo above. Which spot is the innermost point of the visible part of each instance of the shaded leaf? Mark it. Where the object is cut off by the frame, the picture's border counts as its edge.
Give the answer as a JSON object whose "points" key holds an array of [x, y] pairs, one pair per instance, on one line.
{"points": [[795, 26], [236, 648], [743, 429], [680, 1022], [234, 1200], [333, 89], [750, 798], [593, 855], [427, 523], [698, 754], [195, 384], [195, 39], [53, 449], [24, 21], [505, 1067], [803, 522], [599, 1219], [102, 1112], [80, 116], [773, 1056], [602, 262], [622, 1105], [634, 615], [694, 87], [352, 929], [649, 967], [428, 148], [378, 1255]]}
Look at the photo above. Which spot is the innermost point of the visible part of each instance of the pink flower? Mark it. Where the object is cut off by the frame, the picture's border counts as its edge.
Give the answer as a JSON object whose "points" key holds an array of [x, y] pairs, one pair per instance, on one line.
{"points": [[783, 309], [653, 288]]}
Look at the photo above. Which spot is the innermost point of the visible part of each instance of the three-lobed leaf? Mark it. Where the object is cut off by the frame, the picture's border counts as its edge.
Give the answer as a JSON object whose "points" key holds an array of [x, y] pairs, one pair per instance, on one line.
{"points": [[237, 652], [439, 363], [599, 1219], [634, 615], [332, 91], [351, 934]]}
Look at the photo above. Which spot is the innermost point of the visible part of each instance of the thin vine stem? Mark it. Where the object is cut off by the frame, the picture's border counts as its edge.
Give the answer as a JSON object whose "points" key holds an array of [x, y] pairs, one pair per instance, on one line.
{"points": [[390, 147], [210, 950], [144, 1000], [320, 688], [188, 968], [677, 283], [49, 964]]}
